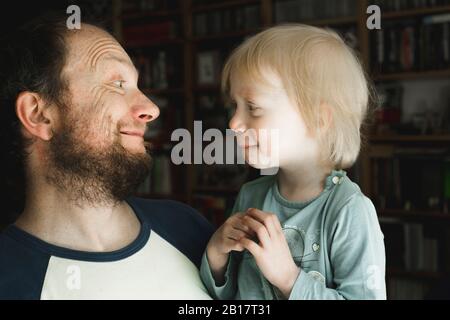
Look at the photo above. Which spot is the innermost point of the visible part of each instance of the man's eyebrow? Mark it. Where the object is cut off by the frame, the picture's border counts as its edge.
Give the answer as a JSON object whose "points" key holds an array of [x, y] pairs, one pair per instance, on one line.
{"points": [[122, 61]]}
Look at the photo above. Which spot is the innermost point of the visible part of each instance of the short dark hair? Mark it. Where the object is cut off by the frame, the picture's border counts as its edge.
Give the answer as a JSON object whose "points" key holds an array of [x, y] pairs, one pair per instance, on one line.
{"points": [[31, 59]]}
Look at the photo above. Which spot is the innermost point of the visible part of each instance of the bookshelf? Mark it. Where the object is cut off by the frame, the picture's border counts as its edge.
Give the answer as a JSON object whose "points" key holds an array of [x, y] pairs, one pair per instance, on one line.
{"points": [[199, 32]]}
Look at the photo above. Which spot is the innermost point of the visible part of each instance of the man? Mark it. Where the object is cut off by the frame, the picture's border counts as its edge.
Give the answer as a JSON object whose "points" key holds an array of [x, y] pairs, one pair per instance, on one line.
{"points": [[72, 113]]}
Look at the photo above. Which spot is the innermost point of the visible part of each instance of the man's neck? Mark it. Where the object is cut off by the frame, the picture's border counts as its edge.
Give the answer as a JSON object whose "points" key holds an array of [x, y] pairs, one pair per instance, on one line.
{"points": [[301, 184], [52, 217]]}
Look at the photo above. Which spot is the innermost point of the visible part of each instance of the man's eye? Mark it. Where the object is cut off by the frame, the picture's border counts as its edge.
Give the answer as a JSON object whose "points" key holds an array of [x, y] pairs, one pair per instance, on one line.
{"points": [[119, 83]]}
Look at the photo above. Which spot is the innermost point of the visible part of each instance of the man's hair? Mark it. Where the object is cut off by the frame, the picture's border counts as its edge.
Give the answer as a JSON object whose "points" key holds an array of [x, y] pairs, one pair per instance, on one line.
{"points": [[31, 59], [316, 68]]}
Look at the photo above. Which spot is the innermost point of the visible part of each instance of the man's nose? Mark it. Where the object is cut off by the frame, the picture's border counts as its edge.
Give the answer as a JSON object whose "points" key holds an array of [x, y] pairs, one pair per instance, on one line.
{"points": [[145, 110]]}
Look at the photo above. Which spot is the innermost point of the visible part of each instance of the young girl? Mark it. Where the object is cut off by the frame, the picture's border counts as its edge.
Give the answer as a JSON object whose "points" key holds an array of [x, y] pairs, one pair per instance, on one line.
{"points": [[307, 232]]}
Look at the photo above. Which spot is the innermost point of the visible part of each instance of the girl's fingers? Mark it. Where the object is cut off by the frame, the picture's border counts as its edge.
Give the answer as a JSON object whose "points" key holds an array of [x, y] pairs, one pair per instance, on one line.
{"points": [[269, 220], [259, 229], [251, 246], [240, 225], [236, 235]]}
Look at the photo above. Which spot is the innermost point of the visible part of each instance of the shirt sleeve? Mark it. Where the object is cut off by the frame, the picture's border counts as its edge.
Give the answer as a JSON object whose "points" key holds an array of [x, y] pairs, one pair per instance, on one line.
{"points": [[357, 256], [227, 290]]}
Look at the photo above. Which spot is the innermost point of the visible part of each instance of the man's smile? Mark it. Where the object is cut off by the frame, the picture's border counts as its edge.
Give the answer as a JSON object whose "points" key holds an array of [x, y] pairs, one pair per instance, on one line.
{"points": [[133, 133]]}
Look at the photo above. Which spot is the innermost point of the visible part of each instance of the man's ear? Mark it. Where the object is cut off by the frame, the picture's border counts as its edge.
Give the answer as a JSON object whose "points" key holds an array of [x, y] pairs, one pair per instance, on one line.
{"points": [[35, 116]]}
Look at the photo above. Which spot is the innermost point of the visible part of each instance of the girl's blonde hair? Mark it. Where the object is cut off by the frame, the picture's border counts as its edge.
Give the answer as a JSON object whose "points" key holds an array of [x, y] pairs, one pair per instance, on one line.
{"points": [[320, 73]]}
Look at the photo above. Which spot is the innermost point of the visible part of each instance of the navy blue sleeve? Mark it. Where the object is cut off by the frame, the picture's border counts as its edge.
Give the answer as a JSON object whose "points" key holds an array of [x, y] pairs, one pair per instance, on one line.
{"points": [[22, 269], [180, 225]]}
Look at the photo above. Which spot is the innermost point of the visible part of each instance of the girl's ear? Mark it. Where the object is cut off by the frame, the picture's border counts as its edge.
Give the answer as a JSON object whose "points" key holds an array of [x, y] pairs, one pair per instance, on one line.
{"points": [[36, 117]]}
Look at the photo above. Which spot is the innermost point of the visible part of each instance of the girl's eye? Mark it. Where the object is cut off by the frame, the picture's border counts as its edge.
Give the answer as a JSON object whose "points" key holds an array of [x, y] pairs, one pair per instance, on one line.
{"points": [[119, 83], [252, 107]]}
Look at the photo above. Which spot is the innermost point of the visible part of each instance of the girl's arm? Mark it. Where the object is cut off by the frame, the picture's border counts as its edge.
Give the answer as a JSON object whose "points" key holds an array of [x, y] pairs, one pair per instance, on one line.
{"points": [[357, 255], [219, 266]]}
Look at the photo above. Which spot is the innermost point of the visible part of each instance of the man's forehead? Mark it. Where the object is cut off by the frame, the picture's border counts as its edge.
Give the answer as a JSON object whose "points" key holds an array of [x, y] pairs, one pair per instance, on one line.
{"points": [[90, 47]]}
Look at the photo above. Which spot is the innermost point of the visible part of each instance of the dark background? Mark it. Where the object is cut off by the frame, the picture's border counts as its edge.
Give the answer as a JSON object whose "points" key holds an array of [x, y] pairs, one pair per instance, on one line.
{"points": [[180, 46]]}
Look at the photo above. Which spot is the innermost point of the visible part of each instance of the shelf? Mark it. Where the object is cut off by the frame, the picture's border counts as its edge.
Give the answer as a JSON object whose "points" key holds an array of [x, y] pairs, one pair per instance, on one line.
{"points": [[161, 43], [413, 75], [415, 12], [410, 138], [413, 215], [156, 92], [223, 5], [332, 21], [220, 190], [151, 14], [233, 34], [418, 275]]}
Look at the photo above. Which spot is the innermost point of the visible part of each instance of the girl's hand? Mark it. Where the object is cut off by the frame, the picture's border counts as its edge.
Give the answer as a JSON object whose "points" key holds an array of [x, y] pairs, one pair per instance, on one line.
{"points": [[224, 240], [272, 254]]}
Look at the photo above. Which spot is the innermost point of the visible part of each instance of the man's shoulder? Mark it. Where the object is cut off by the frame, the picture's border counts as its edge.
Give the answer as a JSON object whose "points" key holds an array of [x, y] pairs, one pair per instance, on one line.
{"points": [[179, 224], [22, 268]]}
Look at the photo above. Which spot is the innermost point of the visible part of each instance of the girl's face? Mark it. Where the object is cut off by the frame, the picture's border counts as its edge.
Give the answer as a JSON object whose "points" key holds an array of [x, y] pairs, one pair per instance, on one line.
{"points": [[269, 127]]}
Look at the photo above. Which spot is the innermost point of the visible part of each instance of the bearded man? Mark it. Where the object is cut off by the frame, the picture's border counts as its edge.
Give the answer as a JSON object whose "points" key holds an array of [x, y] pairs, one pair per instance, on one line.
{"points": [[72, 114]]}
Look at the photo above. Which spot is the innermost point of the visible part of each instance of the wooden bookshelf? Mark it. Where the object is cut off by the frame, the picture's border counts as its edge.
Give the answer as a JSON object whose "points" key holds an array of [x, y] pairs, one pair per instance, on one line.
{"points": [[189, 44], [410, 138], [431, 216], [218, 37], [332, 22], [151, 14], [413, 75], [220, 5], [422, 275], [158, 44], [163, 92], [415, 12]]}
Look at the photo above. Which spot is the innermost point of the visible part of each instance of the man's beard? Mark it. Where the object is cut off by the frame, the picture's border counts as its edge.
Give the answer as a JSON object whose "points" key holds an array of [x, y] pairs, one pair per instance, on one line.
{"points": [[92, 176]]}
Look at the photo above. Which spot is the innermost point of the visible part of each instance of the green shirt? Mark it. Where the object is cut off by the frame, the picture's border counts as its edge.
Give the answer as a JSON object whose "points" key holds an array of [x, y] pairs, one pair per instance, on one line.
{"points": [[335, 239]]}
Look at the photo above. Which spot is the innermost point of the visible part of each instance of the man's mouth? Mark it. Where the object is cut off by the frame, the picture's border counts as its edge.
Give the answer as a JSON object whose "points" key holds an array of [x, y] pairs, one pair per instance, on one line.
{"points": [[133, 133]]}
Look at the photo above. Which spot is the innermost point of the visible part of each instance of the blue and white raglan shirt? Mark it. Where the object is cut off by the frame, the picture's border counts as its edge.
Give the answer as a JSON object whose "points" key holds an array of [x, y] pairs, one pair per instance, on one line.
{"points": [[161, 263]]}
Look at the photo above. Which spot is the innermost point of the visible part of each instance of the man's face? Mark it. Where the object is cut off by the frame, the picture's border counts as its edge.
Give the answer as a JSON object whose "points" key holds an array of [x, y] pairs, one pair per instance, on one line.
{"points": [[98, 149]]}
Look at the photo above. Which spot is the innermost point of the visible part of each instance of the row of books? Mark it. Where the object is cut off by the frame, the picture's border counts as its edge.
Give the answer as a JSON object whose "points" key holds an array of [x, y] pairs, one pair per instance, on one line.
{"points": [[150, 33], [211, 110], [157, 127], [412, 46], [413, 247], [304, 10], [228, 20], [159, 181], [209, 67], [132, 6], [156, 69], [396, 5], [412, 179], [222, 176]]}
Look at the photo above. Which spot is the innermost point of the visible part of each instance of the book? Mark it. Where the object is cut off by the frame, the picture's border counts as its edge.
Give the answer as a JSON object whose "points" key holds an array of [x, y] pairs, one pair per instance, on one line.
{"points": [[145, 34], [208, 67]]}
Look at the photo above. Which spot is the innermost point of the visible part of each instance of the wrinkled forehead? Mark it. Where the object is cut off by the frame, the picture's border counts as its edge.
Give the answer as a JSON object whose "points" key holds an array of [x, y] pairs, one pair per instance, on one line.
{"points": [[90, 47]]}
